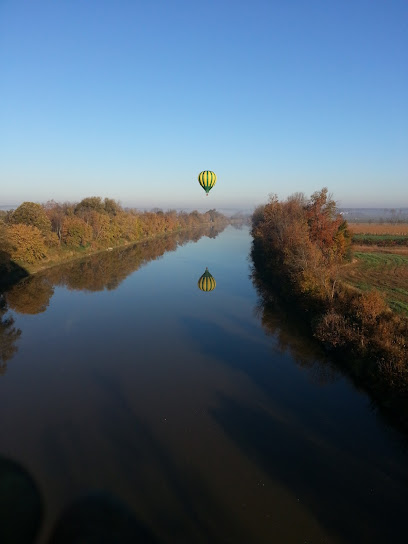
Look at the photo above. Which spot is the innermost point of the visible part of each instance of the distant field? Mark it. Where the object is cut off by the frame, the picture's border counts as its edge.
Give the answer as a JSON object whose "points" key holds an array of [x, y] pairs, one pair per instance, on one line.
{"points": [[399, 229], [380, 234], [387, 272], [380, 261]]}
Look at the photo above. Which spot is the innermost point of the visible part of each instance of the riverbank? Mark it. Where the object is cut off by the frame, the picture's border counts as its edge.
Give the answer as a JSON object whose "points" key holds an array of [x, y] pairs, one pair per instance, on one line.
{"points": [[296, 253], [34, 237], [356, 360], [12, 272]]}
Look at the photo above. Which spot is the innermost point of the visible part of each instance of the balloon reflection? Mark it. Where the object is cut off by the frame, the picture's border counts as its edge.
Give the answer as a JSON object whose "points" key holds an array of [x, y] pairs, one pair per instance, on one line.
{"points": [[206, 282], [106, 270]]}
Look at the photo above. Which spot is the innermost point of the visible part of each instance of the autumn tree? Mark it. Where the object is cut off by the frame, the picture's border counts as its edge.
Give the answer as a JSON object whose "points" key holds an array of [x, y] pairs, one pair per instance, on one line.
{"points": [[55, 213], [93, 222], [89, 204], [327, 228], [101, 227], [75, 232], [26, 243], [31, 214], [305, 238], [112, 207]]}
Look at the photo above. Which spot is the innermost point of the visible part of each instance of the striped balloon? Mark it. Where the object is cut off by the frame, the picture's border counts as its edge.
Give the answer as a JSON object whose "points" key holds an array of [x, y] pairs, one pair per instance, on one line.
{"points": [[207, 180], [206, 282]]}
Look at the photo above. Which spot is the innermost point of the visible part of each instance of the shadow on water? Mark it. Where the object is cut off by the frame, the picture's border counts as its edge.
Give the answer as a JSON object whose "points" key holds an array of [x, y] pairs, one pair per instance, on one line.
{"points": [[187, 511], [350, 497], [10, 271], [92, 519], [306, 453], [99, 516], [346, 488]]}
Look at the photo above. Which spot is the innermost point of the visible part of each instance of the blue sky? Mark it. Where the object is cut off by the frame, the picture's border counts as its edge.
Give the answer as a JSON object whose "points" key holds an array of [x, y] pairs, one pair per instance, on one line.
{"points": [[131, 99]]}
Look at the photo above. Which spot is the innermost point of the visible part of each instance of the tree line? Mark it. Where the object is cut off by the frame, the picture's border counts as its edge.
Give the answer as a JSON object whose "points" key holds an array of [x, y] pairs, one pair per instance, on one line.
{"points": [[299, 247], [36, 232]]}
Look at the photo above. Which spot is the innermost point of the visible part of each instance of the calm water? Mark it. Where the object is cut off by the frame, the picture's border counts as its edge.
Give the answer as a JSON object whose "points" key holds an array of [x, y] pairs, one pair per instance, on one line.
{"points": [[130, 381]]}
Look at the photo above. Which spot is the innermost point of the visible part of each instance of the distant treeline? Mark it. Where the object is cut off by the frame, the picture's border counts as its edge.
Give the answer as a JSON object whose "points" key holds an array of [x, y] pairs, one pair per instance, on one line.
{"points": [[299, 247], [367, 215], [35, 233]]}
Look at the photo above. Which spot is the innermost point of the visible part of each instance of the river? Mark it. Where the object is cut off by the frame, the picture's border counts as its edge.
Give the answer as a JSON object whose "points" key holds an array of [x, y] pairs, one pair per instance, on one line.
{"points": [[124, 380]]}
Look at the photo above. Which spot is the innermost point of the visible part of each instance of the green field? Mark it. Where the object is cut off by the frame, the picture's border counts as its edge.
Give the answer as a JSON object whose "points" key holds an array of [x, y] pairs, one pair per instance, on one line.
{"points": [[387, 272], [381, 239]]}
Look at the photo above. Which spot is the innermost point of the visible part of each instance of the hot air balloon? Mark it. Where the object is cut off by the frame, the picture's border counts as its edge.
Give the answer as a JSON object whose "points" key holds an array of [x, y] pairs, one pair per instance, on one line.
{"points": [[206, 282], [207, 180]]}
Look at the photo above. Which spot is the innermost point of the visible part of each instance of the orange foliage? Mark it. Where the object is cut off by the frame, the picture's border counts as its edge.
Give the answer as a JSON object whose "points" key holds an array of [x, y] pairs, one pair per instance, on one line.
{"points": [[308, 239], [26, 243], [93, 223]]}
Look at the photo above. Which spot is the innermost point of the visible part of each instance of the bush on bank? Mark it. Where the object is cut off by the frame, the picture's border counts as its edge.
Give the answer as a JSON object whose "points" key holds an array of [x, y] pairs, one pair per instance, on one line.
{"points": [[303, 243]]}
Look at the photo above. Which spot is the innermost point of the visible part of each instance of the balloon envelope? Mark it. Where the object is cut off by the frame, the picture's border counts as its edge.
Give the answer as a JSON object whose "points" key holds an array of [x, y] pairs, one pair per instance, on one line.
{"points": [[207, 180]]}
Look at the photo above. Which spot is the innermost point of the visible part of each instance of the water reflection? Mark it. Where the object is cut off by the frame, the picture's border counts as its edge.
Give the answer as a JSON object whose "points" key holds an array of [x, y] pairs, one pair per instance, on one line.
{"points": [[206, 282], [31, 295], [177, 404], [105, 270], [9, 335], [292, 333]]}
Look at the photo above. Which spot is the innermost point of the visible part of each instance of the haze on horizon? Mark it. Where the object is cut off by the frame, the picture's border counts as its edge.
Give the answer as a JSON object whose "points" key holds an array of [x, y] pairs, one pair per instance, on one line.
{"points": [[131, 100]]}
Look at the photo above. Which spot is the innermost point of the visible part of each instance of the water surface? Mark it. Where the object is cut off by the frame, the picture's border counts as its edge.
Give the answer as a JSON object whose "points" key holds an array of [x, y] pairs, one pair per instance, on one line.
{"points": [[131, 381]]}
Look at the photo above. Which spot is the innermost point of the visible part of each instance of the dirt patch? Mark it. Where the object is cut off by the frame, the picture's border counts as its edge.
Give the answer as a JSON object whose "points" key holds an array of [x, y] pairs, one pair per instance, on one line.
{"points": [[399, 229]]}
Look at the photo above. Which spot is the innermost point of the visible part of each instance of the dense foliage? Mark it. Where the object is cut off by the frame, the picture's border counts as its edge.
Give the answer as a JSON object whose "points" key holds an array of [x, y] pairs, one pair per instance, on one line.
{"points": [[301, 246], [33, 232]]}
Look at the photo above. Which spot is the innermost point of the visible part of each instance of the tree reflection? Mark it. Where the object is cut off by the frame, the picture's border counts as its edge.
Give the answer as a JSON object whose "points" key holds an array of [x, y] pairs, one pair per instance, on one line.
{"points": [[107, 270], [9, 335], [292, 334], [104, 270], [31, 295]]}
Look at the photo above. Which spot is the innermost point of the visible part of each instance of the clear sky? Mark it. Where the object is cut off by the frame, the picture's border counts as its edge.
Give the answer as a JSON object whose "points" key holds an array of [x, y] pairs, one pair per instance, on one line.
{"points": [[131, 99]]}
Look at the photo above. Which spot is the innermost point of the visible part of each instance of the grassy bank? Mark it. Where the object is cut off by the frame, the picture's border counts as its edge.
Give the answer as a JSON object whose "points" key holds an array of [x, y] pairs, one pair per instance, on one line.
{"points": [[380, 261]]}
